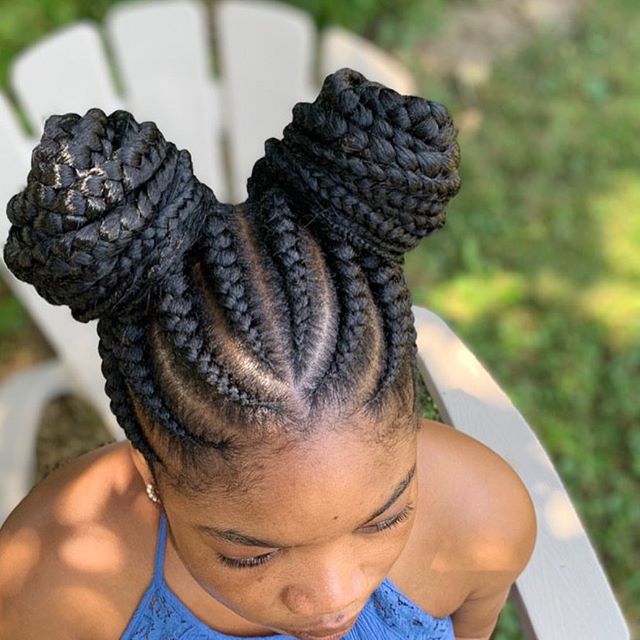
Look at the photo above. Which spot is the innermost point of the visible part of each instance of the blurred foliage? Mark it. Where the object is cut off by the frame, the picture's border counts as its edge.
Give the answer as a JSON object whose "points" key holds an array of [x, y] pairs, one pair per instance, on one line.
{"points": [[538, 267], [26, 21], [57, 440], [390, 23]]}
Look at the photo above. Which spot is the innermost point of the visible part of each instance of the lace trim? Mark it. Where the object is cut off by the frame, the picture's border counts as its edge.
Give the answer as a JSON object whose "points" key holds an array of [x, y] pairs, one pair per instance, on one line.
{"points": [[404, 616], [388, 612]]}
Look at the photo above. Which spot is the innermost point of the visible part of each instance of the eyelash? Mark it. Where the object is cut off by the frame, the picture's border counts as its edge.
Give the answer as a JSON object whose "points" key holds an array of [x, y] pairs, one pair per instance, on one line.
{"points": [[255, 561], [246, 563], [396, 520]]}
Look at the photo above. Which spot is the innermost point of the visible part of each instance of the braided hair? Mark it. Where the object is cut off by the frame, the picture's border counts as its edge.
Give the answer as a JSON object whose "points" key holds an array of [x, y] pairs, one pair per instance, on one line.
{"points": [[224, 326]]}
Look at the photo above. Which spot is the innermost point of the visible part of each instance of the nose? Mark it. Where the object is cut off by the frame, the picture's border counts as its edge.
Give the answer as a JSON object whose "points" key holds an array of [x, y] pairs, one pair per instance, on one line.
{"points": [[337, 593]]}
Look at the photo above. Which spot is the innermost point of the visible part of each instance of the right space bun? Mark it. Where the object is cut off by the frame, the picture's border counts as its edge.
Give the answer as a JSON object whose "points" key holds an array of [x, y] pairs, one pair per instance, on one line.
{"points": [[377, 167]]}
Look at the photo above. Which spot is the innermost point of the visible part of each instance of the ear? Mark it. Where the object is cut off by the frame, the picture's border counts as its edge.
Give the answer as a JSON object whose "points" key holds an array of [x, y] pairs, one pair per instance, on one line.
{"points": [[141, 465]]}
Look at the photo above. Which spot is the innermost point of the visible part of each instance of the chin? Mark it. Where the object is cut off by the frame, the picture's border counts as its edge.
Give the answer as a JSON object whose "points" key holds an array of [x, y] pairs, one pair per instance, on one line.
{"points": [[306, 636]]}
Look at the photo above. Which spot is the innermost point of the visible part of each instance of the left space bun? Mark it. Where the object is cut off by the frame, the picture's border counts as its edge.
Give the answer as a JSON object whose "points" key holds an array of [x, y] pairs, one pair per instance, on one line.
{"points": [[110, 207]]}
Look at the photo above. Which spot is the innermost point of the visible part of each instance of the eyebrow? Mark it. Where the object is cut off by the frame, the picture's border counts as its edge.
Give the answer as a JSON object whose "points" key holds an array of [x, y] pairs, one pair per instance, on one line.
{"points": [[236, 537]]}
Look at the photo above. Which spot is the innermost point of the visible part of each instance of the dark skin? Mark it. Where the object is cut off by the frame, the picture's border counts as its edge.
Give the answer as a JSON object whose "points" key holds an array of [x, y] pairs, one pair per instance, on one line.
{"points": [[77, 553], [329, 520]]}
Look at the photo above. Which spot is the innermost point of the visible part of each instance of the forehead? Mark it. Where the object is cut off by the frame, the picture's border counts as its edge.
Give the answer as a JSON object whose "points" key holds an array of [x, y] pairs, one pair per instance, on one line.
{"points": [[331, 478]]}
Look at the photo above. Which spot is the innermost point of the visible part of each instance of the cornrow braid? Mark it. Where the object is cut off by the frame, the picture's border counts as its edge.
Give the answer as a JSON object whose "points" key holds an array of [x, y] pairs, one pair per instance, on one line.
{"points": [[223, 256], [365, 165], [224, 326], [127, 349], [288, 247], [179, 313], [350, 358]]}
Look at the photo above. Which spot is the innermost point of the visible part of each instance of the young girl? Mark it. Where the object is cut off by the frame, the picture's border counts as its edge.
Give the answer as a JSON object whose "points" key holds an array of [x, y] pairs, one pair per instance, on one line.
{"points": [[278, 480]]}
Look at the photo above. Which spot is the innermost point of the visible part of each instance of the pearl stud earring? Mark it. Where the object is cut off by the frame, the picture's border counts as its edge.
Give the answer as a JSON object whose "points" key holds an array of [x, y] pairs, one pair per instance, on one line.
{"points": [[151, 492]]}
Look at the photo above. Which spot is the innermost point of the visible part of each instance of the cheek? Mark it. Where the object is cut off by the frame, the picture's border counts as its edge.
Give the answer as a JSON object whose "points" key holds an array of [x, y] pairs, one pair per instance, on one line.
{"points": [[389, 550]]}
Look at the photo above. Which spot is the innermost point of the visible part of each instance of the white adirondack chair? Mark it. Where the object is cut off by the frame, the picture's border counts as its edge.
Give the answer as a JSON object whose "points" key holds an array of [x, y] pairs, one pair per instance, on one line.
{"points": [[265, 53]]}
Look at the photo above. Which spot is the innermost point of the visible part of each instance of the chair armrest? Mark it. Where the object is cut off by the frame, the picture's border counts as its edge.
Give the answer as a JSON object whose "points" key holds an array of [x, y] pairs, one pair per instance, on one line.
{"points": [[563, 592]]}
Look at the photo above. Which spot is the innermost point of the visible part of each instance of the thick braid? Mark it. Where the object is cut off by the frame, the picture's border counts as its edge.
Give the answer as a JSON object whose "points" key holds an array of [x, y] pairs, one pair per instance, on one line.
{"points": [[394, 301], [227, 274], [289, 250], [180, 315], [120, 402], [350, 356], [128, 343]]}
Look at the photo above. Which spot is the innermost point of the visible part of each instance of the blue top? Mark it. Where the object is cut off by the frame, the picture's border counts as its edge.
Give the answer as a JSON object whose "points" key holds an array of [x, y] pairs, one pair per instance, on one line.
{"points": [[387, 615]]}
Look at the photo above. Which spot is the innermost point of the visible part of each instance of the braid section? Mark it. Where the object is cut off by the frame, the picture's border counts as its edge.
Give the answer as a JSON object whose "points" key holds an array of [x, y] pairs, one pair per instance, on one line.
{"points": [[353, 370], [228, 276], [289, 249], [394, 302], [128, 349], [181, 314]]}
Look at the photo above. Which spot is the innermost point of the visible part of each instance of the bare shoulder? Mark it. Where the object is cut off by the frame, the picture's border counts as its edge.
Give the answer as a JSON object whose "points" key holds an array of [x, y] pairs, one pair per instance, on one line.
{"points": [[487, 509], [65, 549], [490, 524], [475, 528]]}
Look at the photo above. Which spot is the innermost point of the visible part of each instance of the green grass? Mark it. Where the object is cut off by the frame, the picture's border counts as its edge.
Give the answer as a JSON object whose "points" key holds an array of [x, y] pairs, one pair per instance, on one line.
{"points": [[538, 267]]}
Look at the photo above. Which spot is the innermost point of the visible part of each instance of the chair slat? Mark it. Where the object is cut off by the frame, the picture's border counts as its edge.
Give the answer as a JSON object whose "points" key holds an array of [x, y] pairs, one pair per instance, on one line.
{"points": [[563, 592], [75, 343], [15, 160], [266, 54], [162, 52], [341, 48], [65, 72]]}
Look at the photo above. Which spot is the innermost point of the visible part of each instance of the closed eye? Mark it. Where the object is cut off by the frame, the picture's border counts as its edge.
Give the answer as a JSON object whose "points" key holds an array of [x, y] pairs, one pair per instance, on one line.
{"points": [[244, 563], [391, 522], [255, 561]]}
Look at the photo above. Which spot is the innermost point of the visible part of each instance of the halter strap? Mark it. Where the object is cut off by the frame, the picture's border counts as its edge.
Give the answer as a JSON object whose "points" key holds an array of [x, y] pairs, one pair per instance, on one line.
{"points": [[161, 543]]}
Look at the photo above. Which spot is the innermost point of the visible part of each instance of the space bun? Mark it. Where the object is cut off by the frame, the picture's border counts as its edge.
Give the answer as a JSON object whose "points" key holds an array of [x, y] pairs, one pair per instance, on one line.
{"points": [[110, 207], [375, 166]]}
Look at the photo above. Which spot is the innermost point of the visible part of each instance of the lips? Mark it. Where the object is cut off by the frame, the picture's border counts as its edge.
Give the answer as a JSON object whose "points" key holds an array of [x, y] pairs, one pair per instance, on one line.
{"points": [[334, 633]]}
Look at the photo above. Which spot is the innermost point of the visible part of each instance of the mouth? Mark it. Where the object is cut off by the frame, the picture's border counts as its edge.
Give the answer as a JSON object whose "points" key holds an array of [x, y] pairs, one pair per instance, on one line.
{"points": [[334, 633]]}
